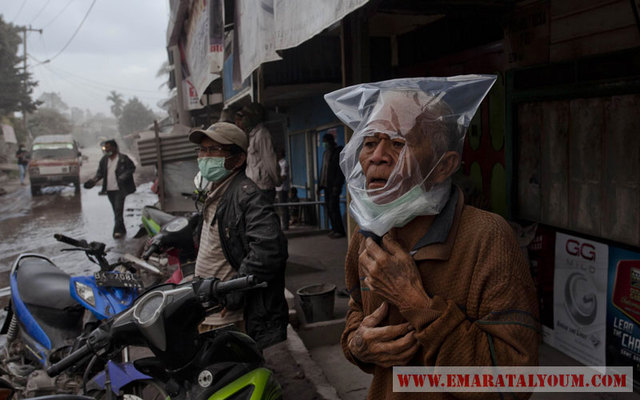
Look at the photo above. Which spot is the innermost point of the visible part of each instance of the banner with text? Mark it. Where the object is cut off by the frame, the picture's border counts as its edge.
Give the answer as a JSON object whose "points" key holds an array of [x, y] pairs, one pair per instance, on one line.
{"points": [[623, 313]]}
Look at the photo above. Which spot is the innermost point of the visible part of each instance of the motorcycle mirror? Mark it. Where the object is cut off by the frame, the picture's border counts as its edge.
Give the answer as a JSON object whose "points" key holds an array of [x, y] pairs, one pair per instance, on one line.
{"points": [[200, 182]]}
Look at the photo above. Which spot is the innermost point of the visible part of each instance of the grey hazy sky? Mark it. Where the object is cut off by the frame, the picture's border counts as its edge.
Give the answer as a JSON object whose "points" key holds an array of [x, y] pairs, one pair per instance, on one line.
{"points": [[120, 46]]}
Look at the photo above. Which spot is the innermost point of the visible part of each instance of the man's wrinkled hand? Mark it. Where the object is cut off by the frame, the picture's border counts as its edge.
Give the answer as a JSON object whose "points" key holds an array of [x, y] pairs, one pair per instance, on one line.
{"points": [[385, 346], [391, 272]]}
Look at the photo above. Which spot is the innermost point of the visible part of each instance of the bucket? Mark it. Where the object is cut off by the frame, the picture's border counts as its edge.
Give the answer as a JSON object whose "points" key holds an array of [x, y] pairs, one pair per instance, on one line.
{"points": [[317, 301]]}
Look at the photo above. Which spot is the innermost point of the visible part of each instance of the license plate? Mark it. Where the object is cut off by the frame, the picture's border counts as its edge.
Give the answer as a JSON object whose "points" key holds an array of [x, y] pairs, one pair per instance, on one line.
{"points": [[117, 279], [53, 170]]}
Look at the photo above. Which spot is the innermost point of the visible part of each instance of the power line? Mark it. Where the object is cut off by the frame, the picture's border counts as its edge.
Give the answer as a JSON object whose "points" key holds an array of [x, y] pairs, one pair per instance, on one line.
{"points": [[20, 10], [91, 87], [76, 32], [40, 12], [83, 91], [58, 14], [98, 83]]}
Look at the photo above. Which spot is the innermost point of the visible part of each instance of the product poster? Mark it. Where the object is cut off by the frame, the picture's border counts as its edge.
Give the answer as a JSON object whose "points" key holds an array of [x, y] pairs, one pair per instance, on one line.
{"points": [[580, 298], [623, 314]]}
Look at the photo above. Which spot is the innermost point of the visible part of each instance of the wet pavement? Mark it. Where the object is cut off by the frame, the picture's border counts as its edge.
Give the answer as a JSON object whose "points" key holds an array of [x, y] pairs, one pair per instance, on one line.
{"points": [[28, 223]]}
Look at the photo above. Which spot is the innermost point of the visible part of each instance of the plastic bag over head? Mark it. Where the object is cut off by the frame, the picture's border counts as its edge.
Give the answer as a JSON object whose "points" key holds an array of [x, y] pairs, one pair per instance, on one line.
{"points": [[402, 129]]}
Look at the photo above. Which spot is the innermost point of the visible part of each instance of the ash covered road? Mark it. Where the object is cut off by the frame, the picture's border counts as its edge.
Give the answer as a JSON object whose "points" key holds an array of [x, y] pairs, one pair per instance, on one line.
{"points": [[28, 223]]}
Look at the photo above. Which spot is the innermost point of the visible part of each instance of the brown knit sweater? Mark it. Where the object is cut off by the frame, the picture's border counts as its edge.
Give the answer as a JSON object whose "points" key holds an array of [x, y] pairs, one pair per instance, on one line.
{"points": [[482, 310]]}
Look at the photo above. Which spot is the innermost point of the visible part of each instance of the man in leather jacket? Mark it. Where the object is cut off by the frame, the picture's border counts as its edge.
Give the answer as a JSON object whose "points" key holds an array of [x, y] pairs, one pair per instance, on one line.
{"points": [[116, 170], [240, 235]]}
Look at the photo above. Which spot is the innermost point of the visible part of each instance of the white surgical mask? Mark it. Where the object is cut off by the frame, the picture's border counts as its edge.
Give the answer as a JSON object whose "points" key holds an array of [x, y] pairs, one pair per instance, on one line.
{"points": [[380, 218]]}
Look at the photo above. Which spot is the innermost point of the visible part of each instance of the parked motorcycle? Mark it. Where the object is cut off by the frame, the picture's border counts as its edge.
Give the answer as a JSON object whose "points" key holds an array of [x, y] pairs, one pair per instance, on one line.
{"points": [[174, 236], [175, 239], [218, 364], [47, 316]]}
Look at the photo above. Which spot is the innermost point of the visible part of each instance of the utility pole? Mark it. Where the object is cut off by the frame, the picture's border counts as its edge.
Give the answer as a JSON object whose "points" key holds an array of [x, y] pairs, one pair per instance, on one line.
{"points": [[24, 63]]}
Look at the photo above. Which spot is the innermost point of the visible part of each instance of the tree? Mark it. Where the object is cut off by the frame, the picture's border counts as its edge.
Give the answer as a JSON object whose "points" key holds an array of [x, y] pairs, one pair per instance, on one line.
{"points": [[47, 121], [16, 85], [135, 117], [118, 102], [53, 100], [165, 70]]}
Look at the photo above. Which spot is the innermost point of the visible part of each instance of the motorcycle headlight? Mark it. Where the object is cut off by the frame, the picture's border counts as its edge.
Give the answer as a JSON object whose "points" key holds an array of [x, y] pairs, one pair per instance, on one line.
{"points": [[177, 225], [86, 293]]}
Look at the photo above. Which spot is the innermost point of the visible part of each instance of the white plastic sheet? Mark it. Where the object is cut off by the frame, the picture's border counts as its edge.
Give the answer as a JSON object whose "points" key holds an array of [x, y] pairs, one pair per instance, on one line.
{"points": [[255, 42], [202, 58], [416, 121], [299, 20]]}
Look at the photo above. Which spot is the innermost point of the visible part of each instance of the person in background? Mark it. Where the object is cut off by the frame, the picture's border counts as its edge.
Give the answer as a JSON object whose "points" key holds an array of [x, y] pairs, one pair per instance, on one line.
{"points": [[432, 281], [116, 171], [240, 235], [22, 155], [294, 211], [262, 164], [331, 181], [282, 191]]}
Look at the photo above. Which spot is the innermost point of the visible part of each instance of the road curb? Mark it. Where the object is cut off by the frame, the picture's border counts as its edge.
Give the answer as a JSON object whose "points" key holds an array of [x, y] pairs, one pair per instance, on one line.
{"points": [[311, 369]]}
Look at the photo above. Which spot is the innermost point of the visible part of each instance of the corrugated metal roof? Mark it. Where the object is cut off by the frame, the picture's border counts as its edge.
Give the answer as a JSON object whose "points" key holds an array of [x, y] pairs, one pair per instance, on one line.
{"points": [[172, 148]]}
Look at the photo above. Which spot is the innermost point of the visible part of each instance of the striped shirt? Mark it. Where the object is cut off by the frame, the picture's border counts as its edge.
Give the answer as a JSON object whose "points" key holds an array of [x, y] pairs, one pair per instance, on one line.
{"points": [[211, 261]]}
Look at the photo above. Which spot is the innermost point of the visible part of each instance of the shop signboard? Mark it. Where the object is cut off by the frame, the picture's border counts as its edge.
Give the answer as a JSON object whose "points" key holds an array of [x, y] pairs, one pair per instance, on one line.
{"points": [[623, 313], [580, 294]]}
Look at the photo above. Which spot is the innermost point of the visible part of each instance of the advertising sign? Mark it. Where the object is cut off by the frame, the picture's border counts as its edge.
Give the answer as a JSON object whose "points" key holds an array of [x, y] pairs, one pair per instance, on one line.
{"points": [[580, 290], [191, 97], [623, 314], [8, 133], [203, 56]]}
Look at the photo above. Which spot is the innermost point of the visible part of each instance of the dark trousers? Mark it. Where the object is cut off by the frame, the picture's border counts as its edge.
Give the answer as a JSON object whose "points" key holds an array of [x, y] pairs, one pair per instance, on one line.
{"points": [[283, 197], [116, 197], [332, 202]]}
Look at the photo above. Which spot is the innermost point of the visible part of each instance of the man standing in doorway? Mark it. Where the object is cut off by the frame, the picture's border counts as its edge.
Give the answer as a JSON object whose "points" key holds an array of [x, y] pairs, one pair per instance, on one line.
{"points": [[262, 165], [282, 191], [331, 181], [116, 170]]}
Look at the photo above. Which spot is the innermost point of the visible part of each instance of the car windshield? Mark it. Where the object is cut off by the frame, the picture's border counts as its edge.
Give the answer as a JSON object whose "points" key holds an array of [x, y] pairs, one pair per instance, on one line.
{"points": [[54, 154]]}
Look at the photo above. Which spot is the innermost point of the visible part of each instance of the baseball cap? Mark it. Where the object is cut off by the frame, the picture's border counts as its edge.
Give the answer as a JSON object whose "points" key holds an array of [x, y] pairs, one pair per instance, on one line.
{"points": [[223, 133]]}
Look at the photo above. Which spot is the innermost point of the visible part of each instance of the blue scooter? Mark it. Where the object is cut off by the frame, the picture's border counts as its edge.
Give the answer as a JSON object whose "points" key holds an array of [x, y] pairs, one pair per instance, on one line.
{"points": [[47, 319]]}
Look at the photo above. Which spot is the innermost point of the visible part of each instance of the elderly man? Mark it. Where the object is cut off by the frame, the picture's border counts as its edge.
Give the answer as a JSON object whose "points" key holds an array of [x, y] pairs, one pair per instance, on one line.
{"points": [[240, 235], [433, 282]]}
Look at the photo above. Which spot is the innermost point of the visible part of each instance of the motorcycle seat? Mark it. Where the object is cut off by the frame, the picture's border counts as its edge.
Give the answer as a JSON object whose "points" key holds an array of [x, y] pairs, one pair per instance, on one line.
{"points": [[159, 216], [42, 283]]}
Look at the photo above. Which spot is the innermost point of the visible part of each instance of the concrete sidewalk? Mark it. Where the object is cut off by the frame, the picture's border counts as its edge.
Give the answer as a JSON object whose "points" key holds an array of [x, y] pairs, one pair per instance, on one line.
{"points": [[316, 258]]}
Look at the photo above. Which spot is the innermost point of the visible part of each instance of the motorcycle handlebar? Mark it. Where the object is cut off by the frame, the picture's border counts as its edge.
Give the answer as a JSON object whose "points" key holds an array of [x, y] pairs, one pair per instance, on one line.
{"points": [[152, 249], [220, 288], [68, 361], [73, 242]]}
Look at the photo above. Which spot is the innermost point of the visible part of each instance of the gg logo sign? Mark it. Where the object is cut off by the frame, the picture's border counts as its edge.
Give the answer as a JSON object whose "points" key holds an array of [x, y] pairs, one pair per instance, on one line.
{"points": [[584, 250]]}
